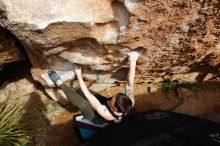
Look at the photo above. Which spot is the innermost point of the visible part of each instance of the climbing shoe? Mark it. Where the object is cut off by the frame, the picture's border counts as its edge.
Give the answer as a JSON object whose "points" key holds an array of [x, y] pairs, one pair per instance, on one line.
{"points": [[53, 76]]}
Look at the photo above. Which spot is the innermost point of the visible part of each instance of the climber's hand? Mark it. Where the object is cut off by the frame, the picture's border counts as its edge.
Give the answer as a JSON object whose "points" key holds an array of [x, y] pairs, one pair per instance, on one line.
{"points": [[135, 53], [133, 56], [77, 69]]}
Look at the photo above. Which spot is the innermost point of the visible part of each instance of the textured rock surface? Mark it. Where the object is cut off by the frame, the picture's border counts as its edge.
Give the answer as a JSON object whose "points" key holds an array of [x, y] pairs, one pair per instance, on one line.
{"points": [[182, 37], [16, 89], [8, 50]]}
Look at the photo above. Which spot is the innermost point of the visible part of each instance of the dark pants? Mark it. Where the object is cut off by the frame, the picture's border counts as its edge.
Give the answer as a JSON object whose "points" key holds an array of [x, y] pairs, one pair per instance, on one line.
{"points": [[76, 97]]}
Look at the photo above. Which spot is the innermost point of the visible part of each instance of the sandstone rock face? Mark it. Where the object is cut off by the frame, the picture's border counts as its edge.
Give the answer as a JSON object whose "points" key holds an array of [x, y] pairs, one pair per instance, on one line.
{"points": [[16, 89], [181, 37], [8, 50]]}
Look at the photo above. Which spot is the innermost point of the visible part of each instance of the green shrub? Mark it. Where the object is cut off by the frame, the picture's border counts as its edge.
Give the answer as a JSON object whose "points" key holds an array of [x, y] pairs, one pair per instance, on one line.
{"points": [[57, 106], [173, 85], [12, 132]]}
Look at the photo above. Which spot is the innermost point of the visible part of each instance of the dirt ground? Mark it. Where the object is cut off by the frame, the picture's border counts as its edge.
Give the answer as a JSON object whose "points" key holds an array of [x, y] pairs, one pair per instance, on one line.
{"points": [[50, 123]]}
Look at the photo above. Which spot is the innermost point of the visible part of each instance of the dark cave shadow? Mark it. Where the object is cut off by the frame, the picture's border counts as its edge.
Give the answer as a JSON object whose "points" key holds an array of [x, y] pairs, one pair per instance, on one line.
{"points": [[35, 120], [66, 137], [170, 99], [16, 70], [42, 132]]}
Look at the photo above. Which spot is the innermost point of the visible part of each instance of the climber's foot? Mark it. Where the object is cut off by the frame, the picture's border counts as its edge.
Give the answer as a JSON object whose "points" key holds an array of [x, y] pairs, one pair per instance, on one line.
{"points": [[54, 76]]}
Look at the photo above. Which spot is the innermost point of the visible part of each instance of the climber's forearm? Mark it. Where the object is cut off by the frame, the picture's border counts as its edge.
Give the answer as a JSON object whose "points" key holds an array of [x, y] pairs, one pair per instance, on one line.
{"points": [[83, 85], [90, 97], [131, 75], [101, 110]]}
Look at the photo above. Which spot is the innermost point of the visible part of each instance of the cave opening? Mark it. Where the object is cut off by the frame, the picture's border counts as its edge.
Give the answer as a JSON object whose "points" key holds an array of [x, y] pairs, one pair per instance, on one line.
{"points": [[17, 64]]}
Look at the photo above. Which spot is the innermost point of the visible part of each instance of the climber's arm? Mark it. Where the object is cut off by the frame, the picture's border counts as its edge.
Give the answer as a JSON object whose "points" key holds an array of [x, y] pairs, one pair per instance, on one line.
{"points": [[129, 89], [101, 109]]}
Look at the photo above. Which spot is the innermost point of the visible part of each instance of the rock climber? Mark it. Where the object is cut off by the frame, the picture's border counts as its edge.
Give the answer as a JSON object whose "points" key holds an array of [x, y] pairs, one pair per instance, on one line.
{"points": [[93, 106]]}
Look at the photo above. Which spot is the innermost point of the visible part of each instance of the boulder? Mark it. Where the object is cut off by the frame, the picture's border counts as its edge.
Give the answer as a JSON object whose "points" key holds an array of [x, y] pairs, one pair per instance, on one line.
{"points": [[16, 89], [184, 92], [181, 37]]}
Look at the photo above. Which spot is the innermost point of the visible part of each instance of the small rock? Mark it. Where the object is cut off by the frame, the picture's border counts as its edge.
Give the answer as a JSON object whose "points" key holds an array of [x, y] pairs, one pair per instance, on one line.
{"points": [[208, 77], [158, 80], [20, 88], [183, 92]]}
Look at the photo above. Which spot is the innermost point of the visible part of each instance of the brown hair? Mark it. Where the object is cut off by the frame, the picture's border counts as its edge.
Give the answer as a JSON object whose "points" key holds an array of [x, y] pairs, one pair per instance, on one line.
{"points": [[123, 103]]}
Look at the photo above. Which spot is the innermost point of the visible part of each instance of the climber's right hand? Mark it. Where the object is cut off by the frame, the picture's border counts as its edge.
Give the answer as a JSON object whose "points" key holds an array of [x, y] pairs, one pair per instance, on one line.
{"points": [[77, 69]]}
